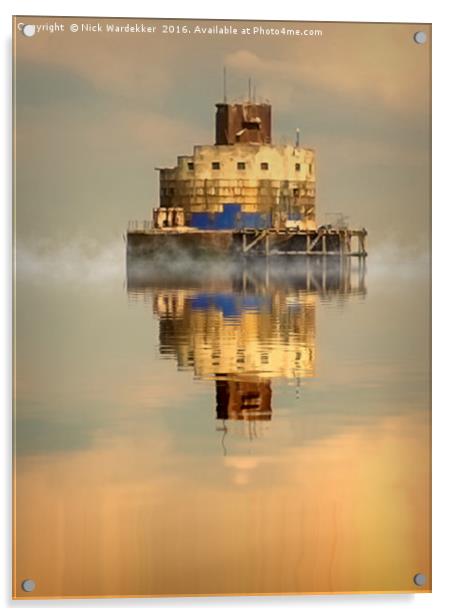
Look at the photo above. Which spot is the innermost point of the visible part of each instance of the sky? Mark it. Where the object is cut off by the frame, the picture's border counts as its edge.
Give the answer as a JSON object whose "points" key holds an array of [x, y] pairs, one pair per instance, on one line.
{"points": [[95, 113]]}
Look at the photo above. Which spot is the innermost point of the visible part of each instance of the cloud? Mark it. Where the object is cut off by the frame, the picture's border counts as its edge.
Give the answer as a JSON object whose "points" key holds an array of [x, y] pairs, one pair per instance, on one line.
{"points": [[110, 66], [361, 62], [362, 151]]}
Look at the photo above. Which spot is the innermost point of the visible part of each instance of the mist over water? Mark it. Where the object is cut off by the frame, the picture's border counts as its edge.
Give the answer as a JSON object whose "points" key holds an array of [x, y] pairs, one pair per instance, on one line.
{"points": [[203, 426], [73, 261], [89, 261]]}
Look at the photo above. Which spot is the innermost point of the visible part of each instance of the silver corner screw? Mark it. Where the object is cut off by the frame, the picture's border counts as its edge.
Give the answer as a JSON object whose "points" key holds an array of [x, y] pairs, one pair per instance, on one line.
{"points": [[28, 585]]}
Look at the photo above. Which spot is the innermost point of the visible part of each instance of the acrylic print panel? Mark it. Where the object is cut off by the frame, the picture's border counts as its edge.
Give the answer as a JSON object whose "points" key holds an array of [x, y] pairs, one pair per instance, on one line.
{"points": [[222, 307]]}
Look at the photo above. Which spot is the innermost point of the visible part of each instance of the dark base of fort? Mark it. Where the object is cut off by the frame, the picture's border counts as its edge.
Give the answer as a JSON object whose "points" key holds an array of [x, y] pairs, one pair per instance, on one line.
{"points": [[247, 243]]}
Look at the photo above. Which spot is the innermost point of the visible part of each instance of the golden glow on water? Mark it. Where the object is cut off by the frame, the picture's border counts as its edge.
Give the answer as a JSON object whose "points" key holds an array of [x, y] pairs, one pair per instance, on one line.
{"points": [[232, 474], [256, 342], [345, 514]]}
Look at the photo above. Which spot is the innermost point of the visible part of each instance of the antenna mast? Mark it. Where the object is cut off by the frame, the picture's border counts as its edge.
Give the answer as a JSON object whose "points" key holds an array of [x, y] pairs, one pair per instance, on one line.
{"points": [[224, 84]]}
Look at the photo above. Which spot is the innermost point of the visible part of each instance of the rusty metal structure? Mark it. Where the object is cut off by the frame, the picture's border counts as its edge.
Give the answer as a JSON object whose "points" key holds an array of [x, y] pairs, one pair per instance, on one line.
{"points": [[243, 123]]}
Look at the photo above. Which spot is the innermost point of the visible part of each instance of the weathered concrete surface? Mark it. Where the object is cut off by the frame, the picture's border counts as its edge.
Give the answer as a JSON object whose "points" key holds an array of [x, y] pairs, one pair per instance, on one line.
{"points": [[262, 178], [194, 243]]}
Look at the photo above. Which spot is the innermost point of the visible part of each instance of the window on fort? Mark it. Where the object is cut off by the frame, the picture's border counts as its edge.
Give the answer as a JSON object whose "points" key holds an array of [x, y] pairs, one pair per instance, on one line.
{"points": [[297, 166], [264, 166], [190, 166], [215, 165], [310, 167], [252, 124], [241, 166]]}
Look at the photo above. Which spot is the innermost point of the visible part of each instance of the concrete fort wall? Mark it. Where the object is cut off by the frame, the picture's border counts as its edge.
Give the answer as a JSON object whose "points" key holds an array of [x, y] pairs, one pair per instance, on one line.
{"points": [[198, 244], [260, 177]]}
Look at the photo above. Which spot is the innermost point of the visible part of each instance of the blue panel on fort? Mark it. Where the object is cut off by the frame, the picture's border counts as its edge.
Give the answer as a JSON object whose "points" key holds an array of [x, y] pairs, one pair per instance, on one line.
{"points": [[201, 220], [254, 220], [232, 207], [230, 218]]}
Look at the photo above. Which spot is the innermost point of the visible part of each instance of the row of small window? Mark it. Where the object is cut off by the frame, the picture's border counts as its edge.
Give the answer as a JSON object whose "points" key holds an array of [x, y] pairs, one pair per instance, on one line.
{"points": [[241, 166], [236, 190]]}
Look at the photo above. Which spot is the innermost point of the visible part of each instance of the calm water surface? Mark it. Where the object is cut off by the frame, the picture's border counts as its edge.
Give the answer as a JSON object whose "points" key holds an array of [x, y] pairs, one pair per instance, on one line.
{"points": [[245, 430]]}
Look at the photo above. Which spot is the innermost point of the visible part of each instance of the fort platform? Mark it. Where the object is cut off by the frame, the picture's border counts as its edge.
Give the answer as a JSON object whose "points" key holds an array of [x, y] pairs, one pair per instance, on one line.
{"points": [[144, 240]]}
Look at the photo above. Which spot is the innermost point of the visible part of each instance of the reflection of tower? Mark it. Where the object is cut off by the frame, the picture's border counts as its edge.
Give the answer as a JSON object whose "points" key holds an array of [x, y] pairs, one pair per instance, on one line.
{"points": [[245, 326], [241, 333], [257, 334], [249, 400]]}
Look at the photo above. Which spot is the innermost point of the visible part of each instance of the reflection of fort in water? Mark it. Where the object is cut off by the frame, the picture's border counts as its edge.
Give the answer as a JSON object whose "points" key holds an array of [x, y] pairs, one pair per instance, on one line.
{"points": [[244, 326]]}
